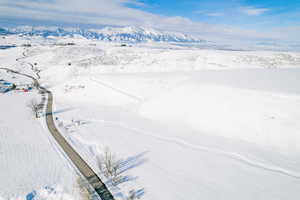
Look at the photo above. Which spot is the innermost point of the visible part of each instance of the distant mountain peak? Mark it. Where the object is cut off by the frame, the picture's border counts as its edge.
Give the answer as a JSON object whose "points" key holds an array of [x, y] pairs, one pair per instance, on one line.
{"points": [[118, 34]]}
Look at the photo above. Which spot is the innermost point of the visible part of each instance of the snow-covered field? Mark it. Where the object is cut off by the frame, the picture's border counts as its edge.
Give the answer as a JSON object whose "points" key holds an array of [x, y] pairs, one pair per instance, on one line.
{"points": [[28, 155], [190, 123]]}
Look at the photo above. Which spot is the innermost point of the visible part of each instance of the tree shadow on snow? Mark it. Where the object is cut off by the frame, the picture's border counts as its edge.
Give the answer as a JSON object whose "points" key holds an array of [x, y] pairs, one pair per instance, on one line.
{"points": [[133, 194], [59, 111], [132, 162], [125, 165]]}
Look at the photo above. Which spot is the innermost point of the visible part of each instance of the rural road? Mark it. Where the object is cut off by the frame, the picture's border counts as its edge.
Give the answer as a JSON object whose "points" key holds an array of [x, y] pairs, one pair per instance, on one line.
{"points": [[76, 159]]}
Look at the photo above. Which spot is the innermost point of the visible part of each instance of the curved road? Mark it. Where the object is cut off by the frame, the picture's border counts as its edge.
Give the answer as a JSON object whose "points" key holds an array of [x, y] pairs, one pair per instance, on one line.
{"points": [[77, 160]]}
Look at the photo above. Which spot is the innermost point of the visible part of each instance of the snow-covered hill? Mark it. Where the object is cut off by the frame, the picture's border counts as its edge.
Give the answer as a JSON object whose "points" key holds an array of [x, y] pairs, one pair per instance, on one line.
{"points": [[124, 34]]}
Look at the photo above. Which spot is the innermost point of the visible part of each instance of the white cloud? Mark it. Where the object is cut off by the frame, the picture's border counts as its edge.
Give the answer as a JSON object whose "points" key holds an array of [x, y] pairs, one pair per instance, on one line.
{"points": [[214, 14], [89, 11], [115, 12], [111, 12], [210, 14], [253, 11]]}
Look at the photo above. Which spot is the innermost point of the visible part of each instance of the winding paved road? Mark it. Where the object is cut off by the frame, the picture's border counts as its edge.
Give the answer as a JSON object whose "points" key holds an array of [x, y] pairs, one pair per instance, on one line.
{"points": [[77, 160]]}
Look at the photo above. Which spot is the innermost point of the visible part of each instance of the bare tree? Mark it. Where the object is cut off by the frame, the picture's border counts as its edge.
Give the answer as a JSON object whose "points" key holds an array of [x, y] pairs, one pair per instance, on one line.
{"points": [[109, 165], [34, 107]]}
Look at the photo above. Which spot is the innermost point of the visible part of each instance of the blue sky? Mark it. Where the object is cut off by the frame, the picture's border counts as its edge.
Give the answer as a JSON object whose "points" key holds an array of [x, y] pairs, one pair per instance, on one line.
{"points": [[222, 18], [273, 13]]}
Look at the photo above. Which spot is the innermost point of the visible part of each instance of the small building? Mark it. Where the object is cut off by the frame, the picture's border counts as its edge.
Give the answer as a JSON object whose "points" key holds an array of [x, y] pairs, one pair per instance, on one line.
{"points": [[24, 87], [6, 86], [4, 90]]}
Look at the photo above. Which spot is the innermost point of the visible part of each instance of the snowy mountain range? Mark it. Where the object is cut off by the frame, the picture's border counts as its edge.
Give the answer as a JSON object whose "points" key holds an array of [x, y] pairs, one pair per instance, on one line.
{"points": [[118, 34]]}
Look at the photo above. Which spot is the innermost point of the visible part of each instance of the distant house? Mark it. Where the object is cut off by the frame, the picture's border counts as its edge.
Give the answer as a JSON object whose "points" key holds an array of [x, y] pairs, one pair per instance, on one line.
{"points": [[6, 86], [24, 87], [4, 90], [65, 44]]}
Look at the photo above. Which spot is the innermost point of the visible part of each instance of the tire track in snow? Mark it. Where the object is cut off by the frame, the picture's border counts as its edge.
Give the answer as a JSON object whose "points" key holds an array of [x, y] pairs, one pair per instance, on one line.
{"points": [[235, 156], [139, 99]]}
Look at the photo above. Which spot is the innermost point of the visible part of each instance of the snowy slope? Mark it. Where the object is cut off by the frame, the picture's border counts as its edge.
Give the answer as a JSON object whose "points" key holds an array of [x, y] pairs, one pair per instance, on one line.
{"points": [[106, 58], [188, 135], [31, 162], [190, 123], [29, 157], [210, 133]]}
